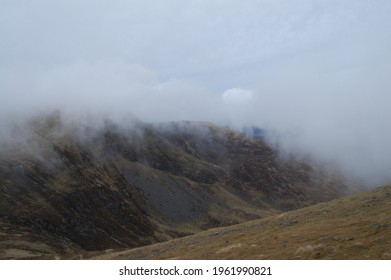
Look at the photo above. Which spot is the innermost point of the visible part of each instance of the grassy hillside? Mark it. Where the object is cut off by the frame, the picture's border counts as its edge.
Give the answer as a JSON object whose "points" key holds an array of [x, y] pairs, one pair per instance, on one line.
{"points": [[353, 227]]}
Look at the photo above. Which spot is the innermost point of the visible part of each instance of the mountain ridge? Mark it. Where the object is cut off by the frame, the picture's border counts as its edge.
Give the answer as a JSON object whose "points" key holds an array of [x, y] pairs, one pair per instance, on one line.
{"points": [[110, 186]]}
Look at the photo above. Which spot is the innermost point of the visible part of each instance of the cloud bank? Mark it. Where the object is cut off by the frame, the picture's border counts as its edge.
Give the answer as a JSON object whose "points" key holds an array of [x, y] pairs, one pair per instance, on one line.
{"points": [[315, 74]]}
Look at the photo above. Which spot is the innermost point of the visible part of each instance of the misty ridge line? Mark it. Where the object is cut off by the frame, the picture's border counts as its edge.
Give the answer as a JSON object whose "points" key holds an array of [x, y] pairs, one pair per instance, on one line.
{"points": [[42, 135], [34, 138], [306, 114]]}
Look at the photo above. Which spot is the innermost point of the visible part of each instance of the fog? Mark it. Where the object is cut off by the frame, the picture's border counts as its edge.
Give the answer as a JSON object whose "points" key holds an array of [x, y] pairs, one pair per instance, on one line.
{"points": [[313, 74]]}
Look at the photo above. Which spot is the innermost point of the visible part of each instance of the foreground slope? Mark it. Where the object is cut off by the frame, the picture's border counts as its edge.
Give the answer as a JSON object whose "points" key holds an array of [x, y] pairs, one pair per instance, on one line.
{"points": [[67, 188], [353, 227]]}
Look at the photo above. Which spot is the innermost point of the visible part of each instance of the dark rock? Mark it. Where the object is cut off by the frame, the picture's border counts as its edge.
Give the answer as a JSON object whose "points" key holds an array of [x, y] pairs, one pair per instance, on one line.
{"points": [[287, 223], [375, 227]]}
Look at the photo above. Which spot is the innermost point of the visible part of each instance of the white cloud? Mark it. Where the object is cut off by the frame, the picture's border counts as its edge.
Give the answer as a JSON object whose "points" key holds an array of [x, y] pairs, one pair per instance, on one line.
{"points": [[237, 96], [316, 69]]}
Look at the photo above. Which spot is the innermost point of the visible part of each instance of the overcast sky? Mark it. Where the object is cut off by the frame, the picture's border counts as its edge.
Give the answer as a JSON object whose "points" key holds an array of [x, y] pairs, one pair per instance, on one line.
{"points": [[315, 72]]}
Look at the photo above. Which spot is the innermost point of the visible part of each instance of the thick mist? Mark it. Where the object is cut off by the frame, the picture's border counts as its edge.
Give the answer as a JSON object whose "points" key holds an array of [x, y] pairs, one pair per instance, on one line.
{"points": [[313, 74]]}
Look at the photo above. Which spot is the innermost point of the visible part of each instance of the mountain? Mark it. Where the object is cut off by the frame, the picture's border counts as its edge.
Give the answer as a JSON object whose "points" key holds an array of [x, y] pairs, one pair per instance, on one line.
{"points": [[71, 187], [352, 227]]}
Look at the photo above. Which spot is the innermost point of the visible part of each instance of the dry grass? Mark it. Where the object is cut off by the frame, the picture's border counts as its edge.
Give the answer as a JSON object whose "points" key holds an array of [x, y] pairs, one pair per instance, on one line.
{"points": [[354, 227]]}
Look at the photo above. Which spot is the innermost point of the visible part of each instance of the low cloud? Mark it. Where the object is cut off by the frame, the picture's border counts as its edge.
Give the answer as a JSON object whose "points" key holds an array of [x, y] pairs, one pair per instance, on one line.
{"points": [[314, 74], [237, 96], [102, 88]]}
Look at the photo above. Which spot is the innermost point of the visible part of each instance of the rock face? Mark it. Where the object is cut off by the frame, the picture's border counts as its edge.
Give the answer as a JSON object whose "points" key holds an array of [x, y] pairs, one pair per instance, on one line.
{"points": [[110, 186]]}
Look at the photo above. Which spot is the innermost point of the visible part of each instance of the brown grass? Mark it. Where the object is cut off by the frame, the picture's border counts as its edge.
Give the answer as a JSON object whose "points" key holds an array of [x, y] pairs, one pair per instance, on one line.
{"points": [[354, 227]]}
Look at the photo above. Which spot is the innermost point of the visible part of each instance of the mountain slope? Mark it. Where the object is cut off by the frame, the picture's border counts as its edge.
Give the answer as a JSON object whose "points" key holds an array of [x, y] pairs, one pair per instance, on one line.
{"points": [[353, 227], [96, 187]]}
